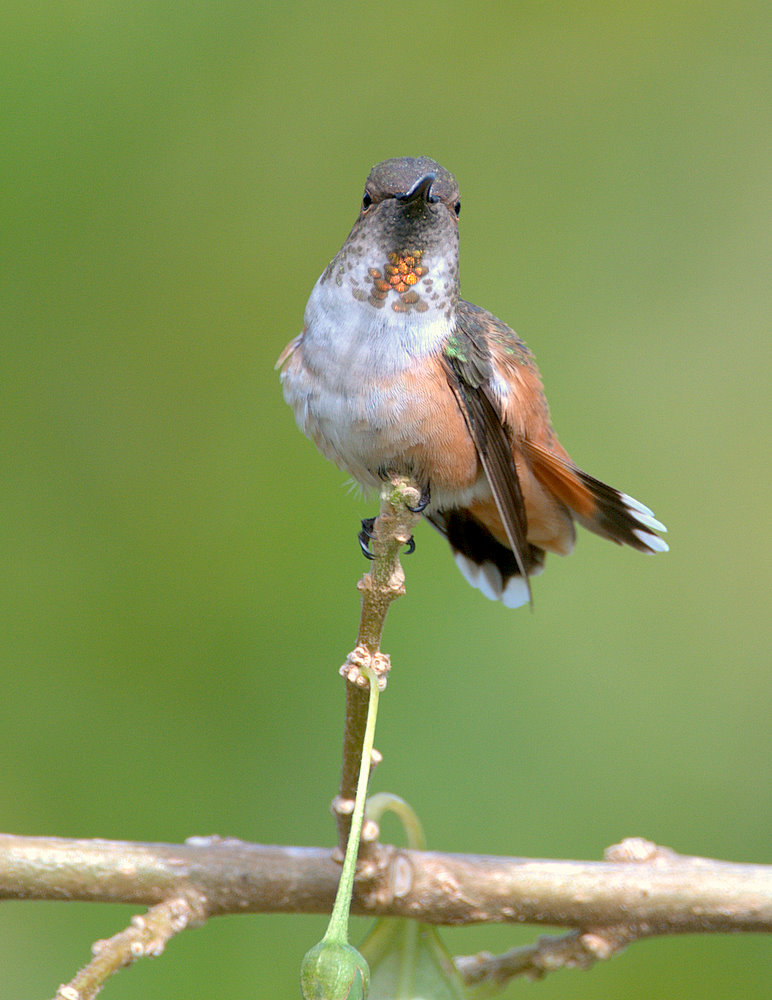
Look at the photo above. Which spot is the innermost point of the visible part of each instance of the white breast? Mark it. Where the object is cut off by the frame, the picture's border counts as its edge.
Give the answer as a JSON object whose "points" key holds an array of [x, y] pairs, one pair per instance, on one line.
{"points": [[346, 380]]}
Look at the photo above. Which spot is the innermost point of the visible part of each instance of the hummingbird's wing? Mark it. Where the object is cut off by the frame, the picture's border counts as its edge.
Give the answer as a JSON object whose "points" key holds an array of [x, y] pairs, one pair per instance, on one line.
{"points": [[565, 487], [467, 362], [288, 351]]}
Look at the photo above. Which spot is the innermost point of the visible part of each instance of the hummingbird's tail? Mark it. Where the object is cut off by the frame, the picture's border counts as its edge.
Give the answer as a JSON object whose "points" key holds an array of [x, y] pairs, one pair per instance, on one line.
{"points": [[596, 506], [486, 564]]}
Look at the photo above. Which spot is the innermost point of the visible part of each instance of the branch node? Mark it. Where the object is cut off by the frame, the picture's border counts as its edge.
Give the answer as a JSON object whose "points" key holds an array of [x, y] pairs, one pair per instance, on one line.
{"points": [[599, 946], [342, 807], [370, 833], [389, 590], [361, 657], [638, 849]]}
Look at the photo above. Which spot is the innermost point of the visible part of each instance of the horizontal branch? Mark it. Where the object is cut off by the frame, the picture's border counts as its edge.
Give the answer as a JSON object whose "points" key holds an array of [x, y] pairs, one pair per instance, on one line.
{"points": [[646, 889]]}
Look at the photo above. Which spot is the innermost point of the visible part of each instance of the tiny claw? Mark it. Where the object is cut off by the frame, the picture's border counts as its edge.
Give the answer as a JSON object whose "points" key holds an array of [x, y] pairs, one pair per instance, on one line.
{"points": [[365, 535], [410, 546], [422, 504]]}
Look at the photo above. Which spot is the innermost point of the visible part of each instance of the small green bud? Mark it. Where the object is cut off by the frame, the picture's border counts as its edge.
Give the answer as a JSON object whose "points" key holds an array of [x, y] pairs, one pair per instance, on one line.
{"points": [[334, 971]]}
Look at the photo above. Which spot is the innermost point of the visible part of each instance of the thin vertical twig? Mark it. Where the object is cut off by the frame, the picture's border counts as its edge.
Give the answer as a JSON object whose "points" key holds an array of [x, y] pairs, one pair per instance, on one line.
{"points": [[384, 583]]}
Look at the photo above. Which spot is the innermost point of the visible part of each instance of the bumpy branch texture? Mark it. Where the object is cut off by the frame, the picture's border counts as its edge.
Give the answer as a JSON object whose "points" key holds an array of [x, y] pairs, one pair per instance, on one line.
{"points": [[384, 583], [646, 889], [146, 935]]}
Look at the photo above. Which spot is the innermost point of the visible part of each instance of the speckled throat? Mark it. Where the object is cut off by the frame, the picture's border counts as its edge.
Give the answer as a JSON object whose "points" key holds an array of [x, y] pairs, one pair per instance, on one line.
{"points": [[388, 298]]}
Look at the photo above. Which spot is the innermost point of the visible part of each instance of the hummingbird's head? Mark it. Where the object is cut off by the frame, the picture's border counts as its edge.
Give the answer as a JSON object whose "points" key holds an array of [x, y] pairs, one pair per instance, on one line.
{"points": [[411, 180], [403, 249], [412, 199]]}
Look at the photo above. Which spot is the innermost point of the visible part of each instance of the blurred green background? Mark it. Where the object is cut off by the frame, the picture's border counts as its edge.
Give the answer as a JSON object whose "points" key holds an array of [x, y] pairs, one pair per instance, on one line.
{"points": [[179, 563]]}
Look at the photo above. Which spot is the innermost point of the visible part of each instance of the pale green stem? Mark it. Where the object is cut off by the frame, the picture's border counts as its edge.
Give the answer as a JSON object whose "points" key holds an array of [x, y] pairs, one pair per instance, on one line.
{"points": [[383, 802], [377, 805], [337, 929]]}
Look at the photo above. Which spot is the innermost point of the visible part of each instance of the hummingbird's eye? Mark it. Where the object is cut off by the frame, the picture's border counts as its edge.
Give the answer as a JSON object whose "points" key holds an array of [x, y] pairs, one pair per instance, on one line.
{"points": [[366, 201], [457, 208]]}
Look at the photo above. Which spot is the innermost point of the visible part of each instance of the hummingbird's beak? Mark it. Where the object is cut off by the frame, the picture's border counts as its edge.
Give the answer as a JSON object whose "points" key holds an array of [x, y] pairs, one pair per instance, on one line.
{"points": [[421, 189]]}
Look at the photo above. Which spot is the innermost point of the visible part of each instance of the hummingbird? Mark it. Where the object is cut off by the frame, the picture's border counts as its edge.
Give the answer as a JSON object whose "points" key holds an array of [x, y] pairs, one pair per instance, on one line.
{"points": [[395, 373]]}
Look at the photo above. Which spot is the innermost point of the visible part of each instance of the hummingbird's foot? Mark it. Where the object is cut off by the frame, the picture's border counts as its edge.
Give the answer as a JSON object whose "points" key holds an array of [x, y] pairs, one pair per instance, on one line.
{"points": [[421, 506], [365, 536]]}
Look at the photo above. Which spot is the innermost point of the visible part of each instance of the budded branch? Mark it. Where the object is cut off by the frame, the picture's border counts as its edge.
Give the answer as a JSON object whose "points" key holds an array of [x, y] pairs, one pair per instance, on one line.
{"points": [[648, 889]]}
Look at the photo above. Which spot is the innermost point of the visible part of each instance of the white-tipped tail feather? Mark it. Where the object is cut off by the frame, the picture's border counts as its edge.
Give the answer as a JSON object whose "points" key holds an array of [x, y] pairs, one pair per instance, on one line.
{"points": [[653, 543], [486, 577], [491, 569], [642, 515]]}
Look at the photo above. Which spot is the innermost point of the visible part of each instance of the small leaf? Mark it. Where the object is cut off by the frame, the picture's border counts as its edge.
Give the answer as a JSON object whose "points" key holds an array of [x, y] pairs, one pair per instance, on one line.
{"points": [[409, 962]]}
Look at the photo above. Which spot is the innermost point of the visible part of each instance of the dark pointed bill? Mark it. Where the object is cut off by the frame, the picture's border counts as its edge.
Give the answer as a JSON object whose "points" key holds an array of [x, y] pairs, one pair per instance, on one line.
{"points": [[421, 189]]}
